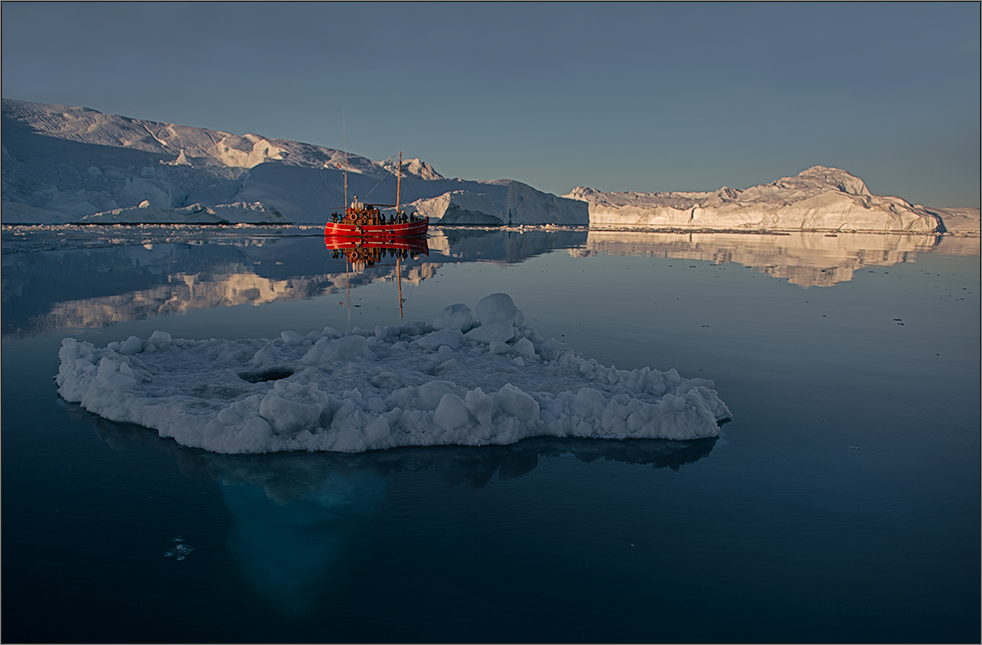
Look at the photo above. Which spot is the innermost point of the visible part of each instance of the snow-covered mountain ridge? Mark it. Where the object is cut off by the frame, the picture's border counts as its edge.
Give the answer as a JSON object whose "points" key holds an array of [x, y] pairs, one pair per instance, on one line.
{"points": [[193, 146], [63, 163]]}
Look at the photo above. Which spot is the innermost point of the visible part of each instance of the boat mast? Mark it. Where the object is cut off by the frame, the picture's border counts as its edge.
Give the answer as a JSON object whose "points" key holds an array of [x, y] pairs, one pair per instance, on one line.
{"points": [[344, 141], [398, 182], [398, 254], [345, 179]]}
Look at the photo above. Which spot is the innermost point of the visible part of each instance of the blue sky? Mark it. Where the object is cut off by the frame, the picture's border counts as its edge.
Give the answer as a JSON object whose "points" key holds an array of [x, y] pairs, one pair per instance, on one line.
{"points": [[633, 96]]}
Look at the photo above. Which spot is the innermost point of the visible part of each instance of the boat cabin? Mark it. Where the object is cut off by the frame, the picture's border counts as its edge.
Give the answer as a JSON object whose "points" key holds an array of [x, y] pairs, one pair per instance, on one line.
{"points": [[370, 215]]}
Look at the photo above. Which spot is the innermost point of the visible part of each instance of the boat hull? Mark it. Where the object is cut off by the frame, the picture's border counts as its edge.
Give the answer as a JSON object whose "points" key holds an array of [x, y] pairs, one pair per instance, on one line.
{"points": [[409, 229]]}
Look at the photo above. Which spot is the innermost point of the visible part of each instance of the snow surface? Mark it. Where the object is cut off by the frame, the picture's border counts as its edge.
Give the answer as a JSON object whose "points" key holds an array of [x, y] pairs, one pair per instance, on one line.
{"points": [[62, 163], [820, 199], [470, 379]]}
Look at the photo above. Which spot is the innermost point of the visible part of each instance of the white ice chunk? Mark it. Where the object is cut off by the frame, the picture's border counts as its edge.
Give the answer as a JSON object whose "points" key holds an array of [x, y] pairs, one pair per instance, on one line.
{"points": [[159, 338], [405, 385], [389, 331], [132, 345], [518, 404], [481, 406], [457, 316], [291, 407], [434, 340], [268, 354], [110, 378], [499, 330], [346, 348], [499, 306], [524, 346], [291, 338], [451, 413]]}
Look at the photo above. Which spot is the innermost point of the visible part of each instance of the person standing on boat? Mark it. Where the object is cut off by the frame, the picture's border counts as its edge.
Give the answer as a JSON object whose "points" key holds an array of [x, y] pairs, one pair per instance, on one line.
{"points": [[355, 204]]}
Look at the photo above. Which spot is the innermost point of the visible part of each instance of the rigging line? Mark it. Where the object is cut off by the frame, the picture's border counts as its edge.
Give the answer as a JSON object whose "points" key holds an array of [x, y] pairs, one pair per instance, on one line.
{"points": [[375, 186], [344, 140], [412, 188]]}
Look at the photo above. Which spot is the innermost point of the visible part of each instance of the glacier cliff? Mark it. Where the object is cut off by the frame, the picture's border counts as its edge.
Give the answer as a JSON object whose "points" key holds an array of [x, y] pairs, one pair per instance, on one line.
{"points": [[819, 199]]}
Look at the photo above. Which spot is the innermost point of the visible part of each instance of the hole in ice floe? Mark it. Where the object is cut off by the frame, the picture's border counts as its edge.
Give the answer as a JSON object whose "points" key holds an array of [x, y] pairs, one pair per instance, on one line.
{"points": [[274, 374]]}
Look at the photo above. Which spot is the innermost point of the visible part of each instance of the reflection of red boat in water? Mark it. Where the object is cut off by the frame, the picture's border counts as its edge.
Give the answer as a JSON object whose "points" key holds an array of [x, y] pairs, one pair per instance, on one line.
{"points": [[363, 252], [368, 251], [366, 220]]}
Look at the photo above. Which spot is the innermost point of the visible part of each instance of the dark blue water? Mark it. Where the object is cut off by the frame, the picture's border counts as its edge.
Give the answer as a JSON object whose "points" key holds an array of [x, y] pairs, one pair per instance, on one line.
{"points": [[841, 504]]}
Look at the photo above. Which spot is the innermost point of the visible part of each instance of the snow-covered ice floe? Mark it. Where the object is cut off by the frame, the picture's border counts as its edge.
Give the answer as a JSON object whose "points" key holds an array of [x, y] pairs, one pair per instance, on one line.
{"points": [[470, 378]]}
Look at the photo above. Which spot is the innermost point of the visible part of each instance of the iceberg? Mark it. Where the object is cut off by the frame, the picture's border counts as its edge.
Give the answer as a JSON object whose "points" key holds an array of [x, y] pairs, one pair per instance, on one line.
{"points": [[817, 199], [519, 205], [481, 378]]}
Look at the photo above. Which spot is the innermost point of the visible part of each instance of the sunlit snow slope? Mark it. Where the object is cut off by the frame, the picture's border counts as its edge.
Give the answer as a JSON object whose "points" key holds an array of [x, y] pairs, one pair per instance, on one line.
{"points": [[63, 163]]}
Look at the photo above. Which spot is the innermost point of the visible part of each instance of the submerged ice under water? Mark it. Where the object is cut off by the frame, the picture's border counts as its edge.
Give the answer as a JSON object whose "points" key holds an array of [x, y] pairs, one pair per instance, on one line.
{"points": [[470, 378]]}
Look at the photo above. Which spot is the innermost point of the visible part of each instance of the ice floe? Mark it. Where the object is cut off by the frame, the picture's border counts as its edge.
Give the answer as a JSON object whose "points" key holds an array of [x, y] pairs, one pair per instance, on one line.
{"points": [[468, 379], [180, 550]]}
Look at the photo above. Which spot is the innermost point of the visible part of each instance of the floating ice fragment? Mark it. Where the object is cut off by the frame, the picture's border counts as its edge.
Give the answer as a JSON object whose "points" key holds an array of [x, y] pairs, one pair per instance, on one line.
{"points": [[397, 385], [179, 551]]}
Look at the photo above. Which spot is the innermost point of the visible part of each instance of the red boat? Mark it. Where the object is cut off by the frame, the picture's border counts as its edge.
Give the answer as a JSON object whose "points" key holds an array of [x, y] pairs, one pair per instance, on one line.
{"points": [[366, 220], [369, 222]]}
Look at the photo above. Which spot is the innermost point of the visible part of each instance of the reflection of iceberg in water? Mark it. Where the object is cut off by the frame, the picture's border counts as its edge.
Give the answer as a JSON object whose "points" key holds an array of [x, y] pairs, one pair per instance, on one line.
{"points": [[808, 259], [46, 291], [51, 283], [508, 246], [297, 517]]}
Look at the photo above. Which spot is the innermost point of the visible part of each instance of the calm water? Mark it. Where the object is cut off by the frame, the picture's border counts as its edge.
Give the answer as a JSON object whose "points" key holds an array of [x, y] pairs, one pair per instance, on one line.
{"points": [[840, 504]]}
